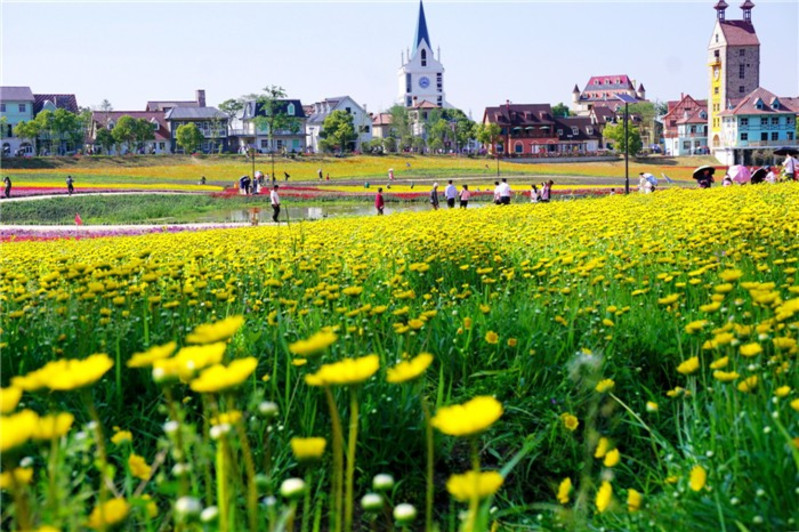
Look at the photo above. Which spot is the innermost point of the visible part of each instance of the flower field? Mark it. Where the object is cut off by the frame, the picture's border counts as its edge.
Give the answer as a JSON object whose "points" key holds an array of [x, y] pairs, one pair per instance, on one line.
{"points": [[625, 363]]}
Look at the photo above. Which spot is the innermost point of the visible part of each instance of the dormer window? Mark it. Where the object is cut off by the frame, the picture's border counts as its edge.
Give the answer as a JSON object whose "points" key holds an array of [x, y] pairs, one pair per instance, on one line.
{"points": [[290, 109], [775, 104], [575, 131], [759, 103]]}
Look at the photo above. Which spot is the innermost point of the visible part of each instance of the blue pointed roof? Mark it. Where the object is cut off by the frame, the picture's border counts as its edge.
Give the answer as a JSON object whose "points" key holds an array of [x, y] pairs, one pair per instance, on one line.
{"points": [[421, 30]]}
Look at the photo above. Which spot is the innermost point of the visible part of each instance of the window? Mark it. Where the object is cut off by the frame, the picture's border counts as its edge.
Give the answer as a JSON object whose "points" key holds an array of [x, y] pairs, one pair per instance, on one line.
{"points": [[741, 89], [693, 129], [686, 145], [789, 135], [744, 136], [22, 108], [440, 101], [408, 101], [744, 121], [715, 90], [264, 144], [424, 57], [349, 110], [279, 144], [440, 81], [775, 120], [589, 130], [775, 135], [2, 108], [560, 132], [575, 131], [741, 71], [741, 53], [290, 109], [717, 40], [788, 120], [161, 146], [518, 147], [364, 129], [408, 85], [764, 136], [763, 121]]}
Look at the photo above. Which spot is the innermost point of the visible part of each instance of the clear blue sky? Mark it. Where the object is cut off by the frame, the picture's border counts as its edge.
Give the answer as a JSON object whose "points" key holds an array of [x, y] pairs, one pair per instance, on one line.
{"points": [[525, 51]]}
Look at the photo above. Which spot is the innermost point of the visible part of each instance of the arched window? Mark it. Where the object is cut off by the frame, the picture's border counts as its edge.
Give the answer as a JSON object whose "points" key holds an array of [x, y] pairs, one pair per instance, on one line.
{"points": [[290, 109], [424, 57]]}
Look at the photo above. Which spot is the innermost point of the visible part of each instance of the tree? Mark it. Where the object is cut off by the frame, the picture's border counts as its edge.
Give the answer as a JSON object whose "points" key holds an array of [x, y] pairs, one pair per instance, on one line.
{"points": [[27, 130], [189, 137], [401, 128], [105, 139], [646, 113], [561, 110], [67, 130], [438, 133], [124, 132], [338, 131], [615, 133], [489, 134], [142, 132], [275, 116], [390, 144], [232, 106]]}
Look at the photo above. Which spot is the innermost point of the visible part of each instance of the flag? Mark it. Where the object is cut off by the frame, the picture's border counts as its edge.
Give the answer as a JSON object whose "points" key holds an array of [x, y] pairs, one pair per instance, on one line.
{"points": [[78, 220]]}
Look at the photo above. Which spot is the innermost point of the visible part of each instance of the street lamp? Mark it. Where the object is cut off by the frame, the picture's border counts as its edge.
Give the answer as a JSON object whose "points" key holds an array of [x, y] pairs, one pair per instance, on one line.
{"points": [[627, 99]]}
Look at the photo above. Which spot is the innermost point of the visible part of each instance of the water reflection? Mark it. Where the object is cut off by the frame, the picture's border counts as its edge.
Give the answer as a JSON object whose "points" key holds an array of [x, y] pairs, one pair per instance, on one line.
{"points": [[316, 212]]}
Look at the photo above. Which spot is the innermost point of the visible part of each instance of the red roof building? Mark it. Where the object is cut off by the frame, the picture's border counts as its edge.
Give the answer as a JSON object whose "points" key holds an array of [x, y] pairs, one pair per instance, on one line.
{"points": [[603, 91]]}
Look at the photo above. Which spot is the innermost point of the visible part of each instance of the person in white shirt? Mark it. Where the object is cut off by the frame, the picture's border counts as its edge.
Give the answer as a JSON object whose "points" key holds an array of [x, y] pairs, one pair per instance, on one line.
{"points": [[790, 166], [535, 196], [771, 177], [275, 199], [450, 193], [504, 192]]}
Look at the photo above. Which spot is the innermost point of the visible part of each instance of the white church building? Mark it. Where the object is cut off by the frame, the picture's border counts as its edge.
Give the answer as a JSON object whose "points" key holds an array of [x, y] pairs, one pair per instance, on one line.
{"points": [[421, 76]]}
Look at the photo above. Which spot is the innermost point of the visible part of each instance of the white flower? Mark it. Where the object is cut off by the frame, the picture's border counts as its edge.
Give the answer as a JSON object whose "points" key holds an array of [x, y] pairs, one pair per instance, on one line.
{"points": [[171, 427], [382, 482], [372, 502], [209, 514], [186, 506], [268, 409], [217, 431]]}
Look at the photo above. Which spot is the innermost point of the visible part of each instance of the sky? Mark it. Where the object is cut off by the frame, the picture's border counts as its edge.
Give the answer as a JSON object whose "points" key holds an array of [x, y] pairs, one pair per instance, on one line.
{"points": [[525, 51]]}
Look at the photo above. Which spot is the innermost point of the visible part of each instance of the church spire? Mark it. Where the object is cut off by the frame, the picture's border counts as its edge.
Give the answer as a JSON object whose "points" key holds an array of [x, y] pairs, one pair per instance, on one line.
{"points": [[421, 30]]}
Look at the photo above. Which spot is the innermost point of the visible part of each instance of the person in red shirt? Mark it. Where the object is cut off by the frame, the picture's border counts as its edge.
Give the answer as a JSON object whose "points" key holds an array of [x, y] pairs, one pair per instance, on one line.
{"points": [[379, 201]]}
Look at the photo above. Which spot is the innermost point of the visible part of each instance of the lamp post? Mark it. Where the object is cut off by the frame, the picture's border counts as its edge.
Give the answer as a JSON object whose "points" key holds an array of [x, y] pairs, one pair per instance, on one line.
{"points": [[627, 99]]}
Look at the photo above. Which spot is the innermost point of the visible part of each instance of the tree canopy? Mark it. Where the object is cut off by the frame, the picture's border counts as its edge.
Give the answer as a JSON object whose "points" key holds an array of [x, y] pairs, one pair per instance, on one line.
{"points": [[615, 133], [338, 132], [189, 138]]}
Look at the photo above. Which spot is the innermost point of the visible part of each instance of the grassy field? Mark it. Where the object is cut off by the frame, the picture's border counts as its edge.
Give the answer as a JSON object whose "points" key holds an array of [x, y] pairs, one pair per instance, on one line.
{"points": [[225, 170], [625, 363]]}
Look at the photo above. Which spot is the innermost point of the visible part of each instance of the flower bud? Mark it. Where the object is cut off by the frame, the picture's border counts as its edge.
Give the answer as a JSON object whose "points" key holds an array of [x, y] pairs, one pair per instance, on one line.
{"points": [[372, 502], [292, 488], [187, 506], [268, 409], [382, 482], [171, 427], [217, 431], [209, 514], [404, 514]]}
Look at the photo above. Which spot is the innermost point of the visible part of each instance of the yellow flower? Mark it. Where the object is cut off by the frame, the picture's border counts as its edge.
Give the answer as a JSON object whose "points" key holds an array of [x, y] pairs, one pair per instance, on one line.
{"points": [[227, 418], [512, 342], [299, 362], [729, 276], [570, 421], [187, 361], [710, 307], [633, 500], [485, 309], [9, 399], [472, 417], [66, 374], [750, 350], [612, 458], [345, 372], [698, 478], [467, 323], [150, 506], [725, 376], [669, 299], [308, 448], [651, 406], [795, 404], [492, 337], [157, 352], [604, 496], [605, 385], [564, 489], [314, 345], [784, 342], [601, 447], [17, 429], [111, 513], [218, 377], [19, 476], [688, 366], [695, 326], [138, 467], [415, 324], [720, 363], [210, 333], [782, 391], [53, 426], [474, 485], [409, 369], [748, 384], [353, 291], [121, 436]]}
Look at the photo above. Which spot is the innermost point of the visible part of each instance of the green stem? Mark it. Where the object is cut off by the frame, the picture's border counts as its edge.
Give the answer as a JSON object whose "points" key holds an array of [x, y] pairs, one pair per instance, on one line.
{"points": [[428, 429], [102, 457], [474, 502], [249, 467], [306, 502], [23, 519], [52, 472], [338, 459], [221, 484], [352, 440]]}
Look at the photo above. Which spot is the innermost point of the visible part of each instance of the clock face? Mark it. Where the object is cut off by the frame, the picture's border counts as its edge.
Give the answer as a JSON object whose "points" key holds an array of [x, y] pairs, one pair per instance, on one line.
{"points": [[424, 82]]}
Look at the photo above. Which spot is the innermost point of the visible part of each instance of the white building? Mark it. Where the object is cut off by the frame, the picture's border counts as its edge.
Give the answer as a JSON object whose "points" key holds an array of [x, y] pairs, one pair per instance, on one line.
{"points": [[361, 121], [421, 76]]}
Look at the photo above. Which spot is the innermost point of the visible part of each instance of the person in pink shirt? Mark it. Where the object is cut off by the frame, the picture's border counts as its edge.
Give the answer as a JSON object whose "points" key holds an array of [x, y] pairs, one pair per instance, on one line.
{"points": [[380, 203], [464, 196]]}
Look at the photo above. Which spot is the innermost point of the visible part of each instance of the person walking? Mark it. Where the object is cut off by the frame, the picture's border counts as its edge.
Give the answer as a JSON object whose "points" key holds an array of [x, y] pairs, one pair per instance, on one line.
{"points": [[464, 197], [504, 192], [319, 173], [70, 185], [434, 197], [535, 195], [7, 183], [546, 191], [450, 192], [790, 167], [275, 199], [379, 201]]}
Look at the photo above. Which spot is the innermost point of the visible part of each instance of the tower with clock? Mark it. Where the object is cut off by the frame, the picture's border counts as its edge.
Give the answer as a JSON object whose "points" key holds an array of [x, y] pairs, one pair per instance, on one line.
{"points": [[421, 76]]}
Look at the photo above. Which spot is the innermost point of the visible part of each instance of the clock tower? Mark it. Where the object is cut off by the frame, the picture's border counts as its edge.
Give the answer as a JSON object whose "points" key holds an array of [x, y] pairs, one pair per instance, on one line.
{"points": [[421, 76]]}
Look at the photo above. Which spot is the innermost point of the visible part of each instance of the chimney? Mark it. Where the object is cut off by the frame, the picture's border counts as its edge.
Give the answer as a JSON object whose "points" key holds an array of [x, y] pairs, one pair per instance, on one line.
{"points": [[200, 97]]}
